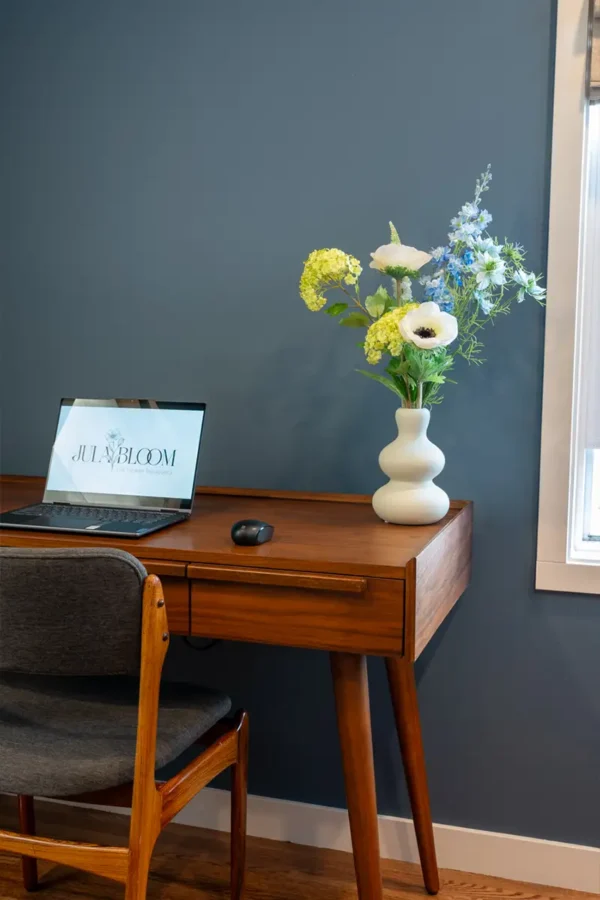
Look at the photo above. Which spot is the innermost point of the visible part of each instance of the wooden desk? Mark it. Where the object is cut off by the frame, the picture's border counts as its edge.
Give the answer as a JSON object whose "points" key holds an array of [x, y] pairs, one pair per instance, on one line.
{"points": [[334, 578]]}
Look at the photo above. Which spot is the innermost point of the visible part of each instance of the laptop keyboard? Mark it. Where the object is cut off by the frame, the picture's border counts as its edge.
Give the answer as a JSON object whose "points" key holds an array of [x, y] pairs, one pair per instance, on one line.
{"points": [[97, 513]]}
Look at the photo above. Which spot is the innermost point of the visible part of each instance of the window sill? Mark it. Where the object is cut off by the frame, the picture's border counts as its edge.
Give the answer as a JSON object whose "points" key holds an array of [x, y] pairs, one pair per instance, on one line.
{"points": [[577, 578]]}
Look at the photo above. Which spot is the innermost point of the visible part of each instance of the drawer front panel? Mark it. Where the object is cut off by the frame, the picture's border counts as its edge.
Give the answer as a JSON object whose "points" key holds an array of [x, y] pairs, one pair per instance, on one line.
{"points": [[176, 589], [355, 615]]}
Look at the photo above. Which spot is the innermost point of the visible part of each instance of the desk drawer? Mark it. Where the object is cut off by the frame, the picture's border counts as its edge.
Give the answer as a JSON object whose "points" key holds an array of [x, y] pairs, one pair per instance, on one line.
{"points": [[299, 609], [176, 588]]}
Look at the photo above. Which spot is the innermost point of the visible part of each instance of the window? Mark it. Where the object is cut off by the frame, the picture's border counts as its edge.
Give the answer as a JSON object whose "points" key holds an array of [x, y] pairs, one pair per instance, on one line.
{"points": [[586, 518], [569, 519]]}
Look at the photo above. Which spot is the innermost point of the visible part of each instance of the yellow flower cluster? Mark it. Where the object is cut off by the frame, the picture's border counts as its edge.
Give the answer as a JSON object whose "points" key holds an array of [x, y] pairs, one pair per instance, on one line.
{"points": [[323, 269], [384, 335]]}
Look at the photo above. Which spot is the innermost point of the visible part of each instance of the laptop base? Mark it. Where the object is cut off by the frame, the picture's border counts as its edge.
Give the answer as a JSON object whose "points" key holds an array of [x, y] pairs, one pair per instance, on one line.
{"points": [[79, 525]]}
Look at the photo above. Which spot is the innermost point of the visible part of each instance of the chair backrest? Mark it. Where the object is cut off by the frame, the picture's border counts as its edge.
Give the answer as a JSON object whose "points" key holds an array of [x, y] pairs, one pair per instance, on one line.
{"points": [[70, 612]]}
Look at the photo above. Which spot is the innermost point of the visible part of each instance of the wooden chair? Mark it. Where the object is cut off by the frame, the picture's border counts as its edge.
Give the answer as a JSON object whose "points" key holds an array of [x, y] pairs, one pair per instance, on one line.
{"points": [[83, 715]]}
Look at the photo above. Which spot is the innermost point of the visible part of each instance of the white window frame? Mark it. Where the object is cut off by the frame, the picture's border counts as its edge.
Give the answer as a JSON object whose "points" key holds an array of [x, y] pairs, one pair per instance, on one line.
{"points": [[556, 568]]}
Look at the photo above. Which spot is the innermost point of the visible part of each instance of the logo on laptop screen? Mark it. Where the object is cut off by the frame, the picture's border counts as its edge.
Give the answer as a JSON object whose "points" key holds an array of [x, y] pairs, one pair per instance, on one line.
{"points": [[115, 452]]}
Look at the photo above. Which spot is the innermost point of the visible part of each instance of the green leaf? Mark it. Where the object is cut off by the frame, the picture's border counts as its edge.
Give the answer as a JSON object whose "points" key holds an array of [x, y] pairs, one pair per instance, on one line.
{"points": [[394, 236], [397, 366], [356, 320], [379, 302], [386, 382], [402, 386], [426, 365], [336, 309]]}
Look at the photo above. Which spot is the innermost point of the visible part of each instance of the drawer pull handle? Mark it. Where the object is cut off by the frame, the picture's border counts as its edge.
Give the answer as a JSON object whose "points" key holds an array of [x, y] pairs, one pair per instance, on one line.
{"points": [[316, 582], [164, 567]]}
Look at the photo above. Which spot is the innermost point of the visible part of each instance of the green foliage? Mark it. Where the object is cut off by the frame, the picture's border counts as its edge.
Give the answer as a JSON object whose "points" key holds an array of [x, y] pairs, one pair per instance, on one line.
{"points": [[394, 236], [336, 308], [379, 302], [356, 320], [416, 375], [420, 373], [400, 272], [515, 253], [389, 383], [426, 365]]}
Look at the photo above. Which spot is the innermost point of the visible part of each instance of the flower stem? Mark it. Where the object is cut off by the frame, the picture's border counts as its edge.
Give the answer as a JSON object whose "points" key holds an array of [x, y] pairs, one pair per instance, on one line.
{"points": [[408, 400], [420, 395], [398, 290], [358, 303]]}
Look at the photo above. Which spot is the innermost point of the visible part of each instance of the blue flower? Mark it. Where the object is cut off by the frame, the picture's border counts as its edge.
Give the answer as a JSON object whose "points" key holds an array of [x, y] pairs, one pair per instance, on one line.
{"points": [[483, 219], [454, 269], [527, 282], [440, 255], [454, 266], [469, 210], [467, 232], [489, 271], [489, 245], [485, 304], [437, 290], [468, 257]]}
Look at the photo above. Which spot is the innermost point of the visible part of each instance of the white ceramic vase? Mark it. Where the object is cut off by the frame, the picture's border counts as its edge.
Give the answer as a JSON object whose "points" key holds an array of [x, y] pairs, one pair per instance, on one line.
{"points": [[411, 462]]}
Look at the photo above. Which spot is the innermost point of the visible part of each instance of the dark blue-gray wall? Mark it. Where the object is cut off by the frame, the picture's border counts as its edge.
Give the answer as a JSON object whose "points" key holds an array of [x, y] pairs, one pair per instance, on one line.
{"points": [[166, 168]]}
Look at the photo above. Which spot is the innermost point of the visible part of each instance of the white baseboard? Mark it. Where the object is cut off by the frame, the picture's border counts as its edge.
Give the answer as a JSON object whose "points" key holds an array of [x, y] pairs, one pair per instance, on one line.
{"points": [[482, 852]]}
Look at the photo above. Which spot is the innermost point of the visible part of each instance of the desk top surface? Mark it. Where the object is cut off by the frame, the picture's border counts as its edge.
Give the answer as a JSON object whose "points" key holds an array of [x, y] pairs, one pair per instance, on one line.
{"points": [[334, 533]]}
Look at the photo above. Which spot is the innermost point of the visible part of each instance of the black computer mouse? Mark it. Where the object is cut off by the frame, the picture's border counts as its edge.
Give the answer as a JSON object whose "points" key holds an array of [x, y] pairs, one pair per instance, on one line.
{"points": [[249, 532]]}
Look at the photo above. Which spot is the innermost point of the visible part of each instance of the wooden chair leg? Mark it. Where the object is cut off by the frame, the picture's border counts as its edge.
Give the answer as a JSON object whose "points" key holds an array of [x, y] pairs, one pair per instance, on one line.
{"points": [[239, 802], [137, 882], [27, 826]]}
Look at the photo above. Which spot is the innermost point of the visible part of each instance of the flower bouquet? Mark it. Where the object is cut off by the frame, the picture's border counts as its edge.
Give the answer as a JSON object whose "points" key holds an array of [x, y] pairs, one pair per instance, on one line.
{"points": [[419, 328]]}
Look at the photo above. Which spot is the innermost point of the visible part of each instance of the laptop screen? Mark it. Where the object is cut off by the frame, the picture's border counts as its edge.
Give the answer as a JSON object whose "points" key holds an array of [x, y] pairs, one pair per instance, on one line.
{"points": [[134, 453]]}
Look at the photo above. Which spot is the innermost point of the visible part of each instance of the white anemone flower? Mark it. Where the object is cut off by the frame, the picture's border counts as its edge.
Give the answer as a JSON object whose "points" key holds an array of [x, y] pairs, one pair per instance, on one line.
{"points": [[428, 327], [399, 256]]}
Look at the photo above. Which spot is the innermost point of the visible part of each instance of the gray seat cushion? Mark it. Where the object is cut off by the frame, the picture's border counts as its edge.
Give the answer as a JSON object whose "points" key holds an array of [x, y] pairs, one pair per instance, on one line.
{"points": [[64, 735]]}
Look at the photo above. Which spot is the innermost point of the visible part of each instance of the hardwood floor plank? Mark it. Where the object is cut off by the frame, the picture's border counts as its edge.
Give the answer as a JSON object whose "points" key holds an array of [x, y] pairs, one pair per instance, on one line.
{"points": [[193, 864]]}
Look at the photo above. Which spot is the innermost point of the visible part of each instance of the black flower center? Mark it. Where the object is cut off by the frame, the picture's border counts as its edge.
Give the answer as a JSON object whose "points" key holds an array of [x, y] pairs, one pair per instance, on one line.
{"points": [[425, 332]]}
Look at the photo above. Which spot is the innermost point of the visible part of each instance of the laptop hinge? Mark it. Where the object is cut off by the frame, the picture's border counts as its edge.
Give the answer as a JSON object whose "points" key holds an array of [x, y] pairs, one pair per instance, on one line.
{"points": [[156, 509]]}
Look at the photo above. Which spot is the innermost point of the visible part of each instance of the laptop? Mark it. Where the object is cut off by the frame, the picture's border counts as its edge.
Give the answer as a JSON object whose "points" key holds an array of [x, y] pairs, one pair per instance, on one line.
{"points": [[123, 468]]}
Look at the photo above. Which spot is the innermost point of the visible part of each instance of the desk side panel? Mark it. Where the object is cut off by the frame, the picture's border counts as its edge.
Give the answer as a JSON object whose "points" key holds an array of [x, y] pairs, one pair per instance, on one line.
{"points": [[436, 579]]}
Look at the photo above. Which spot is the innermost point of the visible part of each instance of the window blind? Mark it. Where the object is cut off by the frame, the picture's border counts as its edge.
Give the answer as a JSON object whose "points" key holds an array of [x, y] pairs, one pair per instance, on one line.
{"points": [[590, 364], [595, 52]]}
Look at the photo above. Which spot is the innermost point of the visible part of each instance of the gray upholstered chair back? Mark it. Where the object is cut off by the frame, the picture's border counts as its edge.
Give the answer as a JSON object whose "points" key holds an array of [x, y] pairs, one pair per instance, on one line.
{"points": [[70, 612]]}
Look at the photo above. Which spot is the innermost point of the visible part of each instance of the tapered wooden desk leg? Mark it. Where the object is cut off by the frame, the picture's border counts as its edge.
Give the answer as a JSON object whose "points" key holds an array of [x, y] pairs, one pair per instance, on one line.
{"points": [[351, 688], [27, 826], [403, 688]]}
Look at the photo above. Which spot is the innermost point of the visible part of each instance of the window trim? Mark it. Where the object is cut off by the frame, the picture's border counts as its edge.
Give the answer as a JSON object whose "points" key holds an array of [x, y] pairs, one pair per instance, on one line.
{"points": [[560, 392]]}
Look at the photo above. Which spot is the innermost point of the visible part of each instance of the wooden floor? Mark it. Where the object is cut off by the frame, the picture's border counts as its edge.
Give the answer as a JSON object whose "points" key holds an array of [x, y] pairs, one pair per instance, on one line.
{"points": [[193, 864]]}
